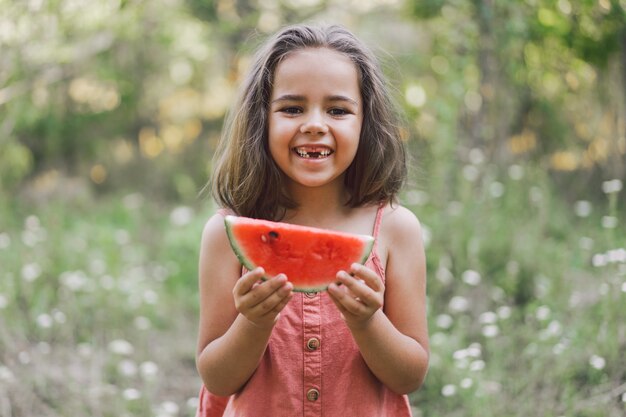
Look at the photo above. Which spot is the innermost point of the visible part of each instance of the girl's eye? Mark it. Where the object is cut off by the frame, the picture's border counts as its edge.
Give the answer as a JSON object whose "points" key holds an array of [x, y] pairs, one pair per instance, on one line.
{"points": [[291, 110], [338, 112]]}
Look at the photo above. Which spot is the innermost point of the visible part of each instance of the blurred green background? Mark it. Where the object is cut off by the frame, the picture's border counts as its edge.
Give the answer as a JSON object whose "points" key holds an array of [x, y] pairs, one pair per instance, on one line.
{"points": [[516, 122]]}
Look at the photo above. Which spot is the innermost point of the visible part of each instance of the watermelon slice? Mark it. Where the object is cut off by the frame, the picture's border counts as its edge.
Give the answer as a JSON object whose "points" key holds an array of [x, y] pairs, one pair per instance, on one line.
{"points": [[310, 257]]}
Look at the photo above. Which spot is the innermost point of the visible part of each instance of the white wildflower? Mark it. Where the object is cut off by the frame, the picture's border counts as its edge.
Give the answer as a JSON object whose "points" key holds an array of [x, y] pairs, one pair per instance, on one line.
{"points": [[477, 365], [415, 95], [612, 186], [543, 313], [444, 321], [44, 321], [181, 216], [497, 294], [474, 350], [127, 367], [142, 323], [470, 173], [599, 260], [583, 208], [471, 277], [558, 348], [504, 312], [31, 272], [439, 339], [476, 156], [121, 347], [491, 330], [149, 369], [496, 189], [417, 198], [131, 394], [24, 357], [73, 280], [459, 304], [616, 255], [168, 408], [516, 172], [488, 317], [6, 374], [32, 222], [597, 362], [554, 328], [448, 390], [444, 275], [460, 354], [150, 297], [97, 266], [29, 238], [466, 383], [59, 316], [192, 403], [609, 222]]}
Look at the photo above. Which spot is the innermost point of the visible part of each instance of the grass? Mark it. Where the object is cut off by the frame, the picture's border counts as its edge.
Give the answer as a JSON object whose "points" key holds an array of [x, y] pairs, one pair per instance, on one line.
{"points": [[527, 299]]}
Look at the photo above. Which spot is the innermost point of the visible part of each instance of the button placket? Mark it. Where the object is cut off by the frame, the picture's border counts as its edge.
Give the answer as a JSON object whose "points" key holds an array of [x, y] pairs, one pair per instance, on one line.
{"points": [[312, 355]]}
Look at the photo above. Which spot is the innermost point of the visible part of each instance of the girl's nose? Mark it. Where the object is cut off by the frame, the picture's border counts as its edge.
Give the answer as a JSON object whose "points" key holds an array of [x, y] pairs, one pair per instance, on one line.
{"points": [[314, 125]]}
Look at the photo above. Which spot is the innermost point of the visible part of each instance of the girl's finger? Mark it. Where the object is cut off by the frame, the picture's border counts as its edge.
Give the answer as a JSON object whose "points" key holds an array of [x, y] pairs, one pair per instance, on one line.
{"points": [[259, 292], [370, 277], [347, 301], [357, 287], [273, 301], [247, 281]]}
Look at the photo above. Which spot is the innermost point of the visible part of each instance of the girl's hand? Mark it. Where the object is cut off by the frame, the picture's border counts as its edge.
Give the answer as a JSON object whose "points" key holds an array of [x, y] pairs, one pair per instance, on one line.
{"points": [[359, 297], [261, 301]]}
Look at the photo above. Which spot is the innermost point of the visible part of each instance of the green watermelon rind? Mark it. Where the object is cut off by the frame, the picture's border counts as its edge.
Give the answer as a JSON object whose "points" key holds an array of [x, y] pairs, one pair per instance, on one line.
{"points": [[230, 221]]}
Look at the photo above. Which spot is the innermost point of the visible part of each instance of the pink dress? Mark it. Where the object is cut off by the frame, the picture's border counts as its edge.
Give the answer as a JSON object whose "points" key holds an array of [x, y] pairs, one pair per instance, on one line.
{"points": [[311, 367]]}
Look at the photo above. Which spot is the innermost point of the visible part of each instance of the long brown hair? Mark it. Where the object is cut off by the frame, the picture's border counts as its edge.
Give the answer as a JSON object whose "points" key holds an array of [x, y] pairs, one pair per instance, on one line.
{"points": [[246, 179]]}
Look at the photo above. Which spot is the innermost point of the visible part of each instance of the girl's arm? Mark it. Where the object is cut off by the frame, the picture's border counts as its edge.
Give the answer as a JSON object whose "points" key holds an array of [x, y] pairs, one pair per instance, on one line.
{"points": [[394, 340], [237, 315]]}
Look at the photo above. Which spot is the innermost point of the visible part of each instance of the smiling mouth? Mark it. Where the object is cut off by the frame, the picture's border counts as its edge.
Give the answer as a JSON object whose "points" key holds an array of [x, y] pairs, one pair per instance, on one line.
{"points": [[313, 152]]}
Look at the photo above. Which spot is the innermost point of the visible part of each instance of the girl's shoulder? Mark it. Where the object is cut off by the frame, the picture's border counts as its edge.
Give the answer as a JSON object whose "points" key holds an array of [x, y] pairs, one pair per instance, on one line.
{"points": [[214, 236], [399, 219], [399, 226]]}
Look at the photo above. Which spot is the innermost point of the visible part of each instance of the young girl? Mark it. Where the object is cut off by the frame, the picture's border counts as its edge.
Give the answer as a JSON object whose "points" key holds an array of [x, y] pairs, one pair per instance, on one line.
{"points": [[313, 141]]}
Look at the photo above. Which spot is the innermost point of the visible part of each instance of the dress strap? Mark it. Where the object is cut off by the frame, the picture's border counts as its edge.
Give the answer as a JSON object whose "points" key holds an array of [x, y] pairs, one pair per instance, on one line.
{"points": [[378, 220], [374, 257]]}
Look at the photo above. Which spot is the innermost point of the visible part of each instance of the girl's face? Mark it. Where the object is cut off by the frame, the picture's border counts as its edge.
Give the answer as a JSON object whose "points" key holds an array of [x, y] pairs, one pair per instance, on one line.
{"points": [[315, 117]]}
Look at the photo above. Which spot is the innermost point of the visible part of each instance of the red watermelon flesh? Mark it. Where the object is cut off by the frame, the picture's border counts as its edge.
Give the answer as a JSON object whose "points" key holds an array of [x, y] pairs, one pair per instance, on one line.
{"points": [[310, 257]]}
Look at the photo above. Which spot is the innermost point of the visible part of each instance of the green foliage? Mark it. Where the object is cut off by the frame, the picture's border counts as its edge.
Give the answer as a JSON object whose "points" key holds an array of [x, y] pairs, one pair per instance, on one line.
{"points": [[110, 112], [427, 9], [16, 161]]}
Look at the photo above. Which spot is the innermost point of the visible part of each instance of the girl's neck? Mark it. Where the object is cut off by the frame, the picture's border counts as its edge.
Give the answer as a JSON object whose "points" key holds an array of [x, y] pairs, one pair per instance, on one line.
{"points": [[318, 206]]}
